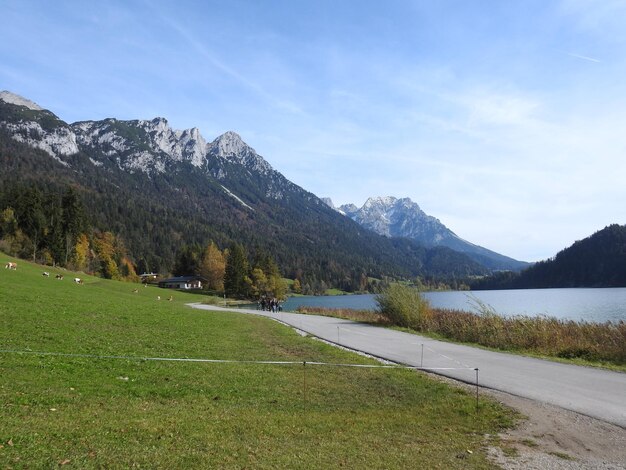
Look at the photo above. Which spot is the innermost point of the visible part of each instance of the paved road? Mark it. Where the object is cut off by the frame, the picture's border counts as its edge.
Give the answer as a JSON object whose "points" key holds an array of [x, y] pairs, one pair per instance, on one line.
{"points": [[592, 392]]}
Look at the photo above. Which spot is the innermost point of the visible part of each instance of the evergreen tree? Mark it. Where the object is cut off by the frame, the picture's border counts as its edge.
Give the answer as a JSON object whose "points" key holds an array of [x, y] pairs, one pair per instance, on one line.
{"points": [[54, 239], [73, 220], [32, 218], [188, 261], [236, 272]]}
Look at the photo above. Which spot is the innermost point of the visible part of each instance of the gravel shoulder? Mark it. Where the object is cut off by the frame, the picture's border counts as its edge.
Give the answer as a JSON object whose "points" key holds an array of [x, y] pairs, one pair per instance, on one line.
{"points": [[555, 438]]}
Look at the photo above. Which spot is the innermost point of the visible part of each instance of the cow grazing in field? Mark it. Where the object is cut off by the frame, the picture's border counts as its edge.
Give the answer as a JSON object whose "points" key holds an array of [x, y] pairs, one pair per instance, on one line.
{"points": [[10, 265], [135, 291], [59, 277], [78, 280], [45, 274]]}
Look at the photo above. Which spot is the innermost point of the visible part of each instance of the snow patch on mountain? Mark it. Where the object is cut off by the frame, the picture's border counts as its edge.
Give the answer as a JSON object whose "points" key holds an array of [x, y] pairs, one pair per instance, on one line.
{"points": [[95, 162], [238, 199]]}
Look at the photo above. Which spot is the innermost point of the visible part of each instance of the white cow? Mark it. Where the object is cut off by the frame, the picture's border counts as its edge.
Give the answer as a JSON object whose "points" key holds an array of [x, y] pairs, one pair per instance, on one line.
{"points": [[10, 265], [78, 280]]}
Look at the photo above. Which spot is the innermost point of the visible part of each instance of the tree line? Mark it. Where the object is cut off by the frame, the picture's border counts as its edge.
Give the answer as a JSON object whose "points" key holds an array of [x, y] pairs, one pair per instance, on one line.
{"points": [[51, 227], [596, 261], [231, 272]]}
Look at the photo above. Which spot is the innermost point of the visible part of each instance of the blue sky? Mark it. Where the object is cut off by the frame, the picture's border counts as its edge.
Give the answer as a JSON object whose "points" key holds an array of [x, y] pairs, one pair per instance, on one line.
{"points": [[505, 120]]}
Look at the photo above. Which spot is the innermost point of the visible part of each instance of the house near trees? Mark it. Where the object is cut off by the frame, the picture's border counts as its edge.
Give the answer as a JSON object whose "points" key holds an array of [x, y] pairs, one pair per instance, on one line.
{"points": [[183, 282]]}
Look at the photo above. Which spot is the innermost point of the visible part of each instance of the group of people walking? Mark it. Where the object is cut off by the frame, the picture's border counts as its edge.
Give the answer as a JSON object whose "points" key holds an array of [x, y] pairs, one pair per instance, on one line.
{"points": [[270, 305]]}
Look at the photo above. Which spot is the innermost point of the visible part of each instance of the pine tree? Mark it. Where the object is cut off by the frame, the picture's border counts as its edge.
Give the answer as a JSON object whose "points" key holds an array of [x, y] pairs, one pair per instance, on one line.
{"points": [[236, 272], [188, 261], [73, 220], [32, 218]]}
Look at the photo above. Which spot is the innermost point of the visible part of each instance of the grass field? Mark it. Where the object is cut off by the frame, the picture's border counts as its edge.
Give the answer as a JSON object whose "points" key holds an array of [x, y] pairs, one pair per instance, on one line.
{"points": [[95, 412]]}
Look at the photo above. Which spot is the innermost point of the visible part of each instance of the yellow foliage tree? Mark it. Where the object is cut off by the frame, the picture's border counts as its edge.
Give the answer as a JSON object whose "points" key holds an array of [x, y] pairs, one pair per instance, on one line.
{"points": [[81, 253], [213, 267]]}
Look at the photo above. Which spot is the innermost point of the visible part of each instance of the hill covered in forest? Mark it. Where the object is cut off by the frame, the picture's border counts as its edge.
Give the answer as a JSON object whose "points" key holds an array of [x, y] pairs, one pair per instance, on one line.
{"points": [[596, 261]]}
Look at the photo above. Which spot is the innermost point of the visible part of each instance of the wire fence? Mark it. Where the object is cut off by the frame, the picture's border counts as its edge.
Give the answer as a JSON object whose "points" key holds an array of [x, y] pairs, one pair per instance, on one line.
{"points": [[304, 364]]}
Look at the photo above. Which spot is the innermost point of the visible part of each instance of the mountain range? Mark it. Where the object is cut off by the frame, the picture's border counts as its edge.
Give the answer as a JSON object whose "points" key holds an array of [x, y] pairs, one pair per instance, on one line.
{"points": [[161, 188], [403, 218]]}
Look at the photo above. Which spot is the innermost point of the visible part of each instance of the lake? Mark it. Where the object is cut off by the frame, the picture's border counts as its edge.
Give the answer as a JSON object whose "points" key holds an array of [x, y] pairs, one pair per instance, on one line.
{"points": [[593, 305]]}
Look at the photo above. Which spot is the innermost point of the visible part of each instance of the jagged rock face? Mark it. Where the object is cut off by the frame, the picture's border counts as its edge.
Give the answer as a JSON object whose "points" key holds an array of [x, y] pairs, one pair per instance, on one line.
{"points": [[142, 146], [18, 100], [393, 217], [57, 142], [329, 202], [231, 148]]}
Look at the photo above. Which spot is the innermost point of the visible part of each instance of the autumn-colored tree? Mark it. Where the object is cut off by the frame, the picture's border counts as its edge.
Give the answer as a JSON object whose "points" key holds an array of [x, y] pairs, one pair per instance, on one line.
{"points": [[127, 270], [260, 286], [278, 287], [266, 280], [296, 286], [213, 267], [81, 252], [104, 244]]}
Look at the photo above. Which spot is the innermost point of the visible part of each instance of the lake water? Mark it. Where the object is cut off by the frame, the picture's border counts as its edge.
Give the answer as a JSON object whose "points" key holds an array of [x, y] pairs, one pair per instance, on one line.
{"points": [[593, 305]]}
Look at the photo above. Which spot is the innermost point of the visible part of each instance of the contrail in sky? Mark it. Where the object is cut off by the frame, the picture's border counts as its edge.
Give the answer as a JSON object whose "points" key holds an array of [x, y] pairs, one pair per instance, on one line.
{"points": [[590, 59]]}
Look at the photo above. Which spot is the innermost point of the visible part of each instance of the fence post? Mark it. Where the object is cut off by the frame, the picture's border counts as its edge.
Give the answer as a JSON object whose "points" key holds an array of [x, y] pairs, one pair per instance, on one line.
{"points": [[304, 383], [476, 369], [422, 359]]}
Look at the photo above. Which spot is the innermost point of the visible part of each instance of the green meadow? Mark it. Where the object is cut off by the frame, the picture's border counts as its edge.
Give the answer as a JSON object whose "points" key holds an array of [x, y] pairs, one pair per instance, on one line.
{"points": [[83, 409]]}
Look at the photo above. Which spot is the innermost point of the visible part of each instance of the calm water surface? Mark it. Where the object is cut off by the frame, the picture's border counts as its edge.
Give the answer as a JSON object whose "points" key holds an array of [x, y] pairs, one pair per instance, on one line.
{"points": [[593, 305]]}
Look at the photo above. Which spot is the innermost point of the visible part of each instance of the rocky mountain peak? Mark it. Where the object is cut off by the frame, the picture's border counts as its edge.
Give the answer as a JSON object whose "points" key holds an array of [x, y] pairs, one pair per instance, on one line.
{"points": [[329, 202], [12, 98], [230, 144], [394, 217], [384, 201]]}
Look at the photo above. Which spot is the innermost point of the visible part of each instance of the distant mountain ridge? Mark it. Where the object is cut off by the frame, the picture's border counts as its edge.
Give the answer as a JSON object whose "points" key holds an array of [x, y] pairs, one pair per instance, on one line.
{"points": [[161, 188], [403, 218]]}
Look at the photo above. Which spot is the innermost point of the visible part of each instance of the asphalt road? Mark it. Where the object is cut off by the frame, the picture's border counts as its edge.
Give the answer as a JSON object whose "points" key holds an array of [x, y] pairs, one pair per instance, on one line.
{"points": [[593, 392]]}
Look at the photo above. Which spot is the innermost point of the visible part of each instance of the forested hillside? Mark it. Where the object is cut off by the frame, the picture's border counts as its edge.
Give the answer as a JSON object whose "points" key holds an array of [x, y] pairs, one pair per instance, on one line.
{"points": [[596, 261]]}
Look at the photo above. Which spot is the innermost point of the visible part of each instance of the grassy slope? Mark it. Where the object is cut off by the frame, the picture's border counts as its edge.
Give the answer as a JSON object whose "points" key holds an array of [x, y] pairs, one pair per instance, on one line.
{"points": [[119, 413]]}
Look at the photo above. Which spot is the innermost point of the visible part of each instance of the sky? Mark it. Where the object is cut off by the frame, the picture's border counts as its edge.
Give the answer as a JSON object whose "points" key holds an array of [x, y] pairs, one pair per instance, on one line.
{"points": [[505, 120]]}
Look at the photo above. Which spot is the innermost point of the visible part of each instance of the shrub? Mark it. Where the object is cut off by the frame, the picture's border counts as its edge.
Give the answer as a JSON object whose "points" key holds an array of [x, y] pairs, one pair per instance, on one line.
{"points": [[404, 306]]}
